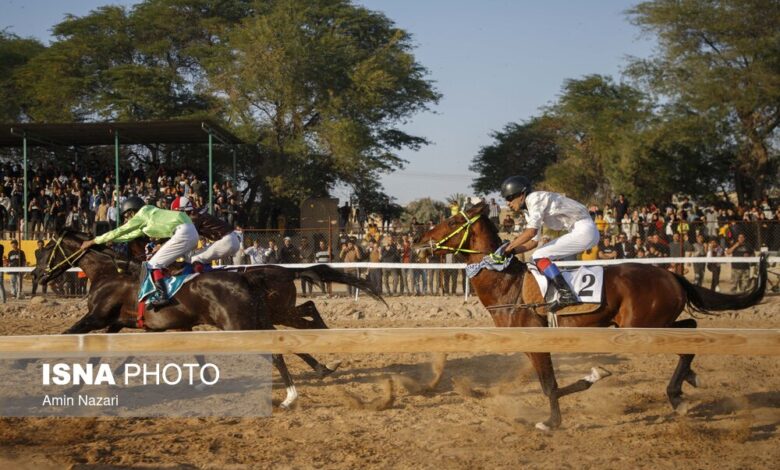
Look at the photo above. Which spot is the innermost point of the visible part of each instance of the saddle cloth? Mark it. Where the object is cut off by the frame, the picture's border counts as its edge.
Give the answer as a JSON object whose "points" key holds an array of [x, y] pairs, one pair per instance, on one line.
{"points": [[587, 283], [173, 283]]}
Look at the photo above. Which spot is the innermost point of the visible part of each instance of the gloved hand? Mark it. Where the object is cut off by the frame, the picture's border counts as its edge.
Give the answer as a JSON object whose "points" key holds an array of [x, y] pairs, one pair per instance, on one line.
{"points": [[498, 257]]}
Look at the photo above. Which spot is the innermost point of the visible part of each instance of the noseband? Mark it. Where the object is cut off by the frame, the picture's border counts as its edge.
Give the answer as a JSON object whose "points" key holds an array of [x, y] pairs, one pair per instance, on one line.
{"points": [[463, 228]]}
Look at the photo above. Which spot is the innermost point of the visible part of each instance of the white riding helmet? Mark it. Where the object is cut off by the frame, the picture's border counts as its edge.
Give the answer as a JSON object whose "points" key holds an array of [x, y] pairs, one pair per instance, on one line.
{"points": [[182, 203]]}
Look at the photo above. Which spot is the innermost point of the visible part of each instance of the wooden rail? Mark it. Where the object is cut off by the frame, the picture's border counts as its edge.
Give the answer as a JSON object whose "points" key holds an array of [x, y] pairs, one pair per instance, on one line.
{"points": [[410, 340]]}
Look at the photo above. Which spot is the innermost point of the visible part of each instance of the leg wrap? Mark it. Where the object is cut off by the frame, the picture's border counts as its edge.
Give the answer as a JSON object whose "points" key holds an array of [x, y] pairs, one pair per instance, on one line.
{"points": [[547, 267]]}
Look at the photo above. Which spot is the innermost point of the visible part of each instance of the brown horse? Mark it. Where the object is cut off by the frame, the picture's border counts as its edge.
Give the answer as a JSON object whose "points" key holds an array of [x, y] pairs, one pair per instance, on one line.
{"points": [[226, 300], [635, 296]]}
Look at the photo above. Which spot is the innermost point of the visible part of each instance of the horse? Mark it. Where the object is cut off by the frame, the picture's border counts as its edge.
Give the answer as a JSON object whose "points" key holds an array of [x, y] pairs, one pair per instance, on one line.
{"points": [[225, 300], [636, 296], [112, 297]]}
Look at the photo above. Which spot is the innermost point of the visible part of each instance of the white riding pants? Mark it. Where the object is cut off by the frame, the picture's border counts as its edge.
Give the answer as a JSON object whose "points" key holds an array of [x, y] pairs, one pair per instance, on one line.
{"points": [[183, 240], [583, 235], [225, 246]]}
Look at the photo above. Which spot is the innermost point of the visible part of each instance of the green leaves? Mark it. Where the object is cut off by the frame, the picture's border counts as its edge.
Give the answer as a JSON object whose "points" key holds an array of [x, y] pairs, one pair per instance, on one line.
{"points": [[721, 60]]}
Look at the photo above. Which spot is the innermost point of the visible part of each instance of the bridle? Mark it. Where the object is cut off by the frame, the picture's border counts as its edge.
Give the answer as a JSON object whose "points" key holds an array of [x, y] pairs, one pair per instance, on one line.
{"points": [[465, 228], [74, 257], [70, 260]]}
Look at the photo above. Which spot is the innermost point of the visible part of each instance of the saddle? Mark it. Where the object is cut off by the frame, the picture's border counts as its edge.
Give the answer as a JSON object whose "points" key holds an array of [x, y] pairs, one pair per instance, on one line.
{"points": [[178, 275], [587, 282]]}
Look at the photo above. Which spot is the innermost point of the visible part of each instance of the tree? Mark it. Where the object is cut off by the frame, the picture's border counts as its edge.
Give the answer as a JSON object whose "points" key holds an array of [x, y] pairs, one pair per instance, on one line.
{"points": [[321, 87], [721, 60], [600, 122], [425, 209], [15, 52], [519, 149], [127, 65]]}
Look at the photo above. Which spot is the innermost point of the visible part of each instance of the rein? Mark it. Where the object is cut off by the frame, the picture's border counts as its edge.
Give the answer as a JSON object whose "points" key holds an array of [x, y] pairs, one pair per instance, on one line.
{"points": [[69, 259], [74, 257], [463, 228]]}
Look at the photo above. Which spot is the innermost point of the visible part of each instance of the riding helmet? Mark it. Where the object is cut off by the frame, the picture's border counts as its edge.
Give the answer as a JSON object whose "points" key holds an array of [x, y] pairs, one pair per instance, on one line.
{"points": [[133, 203], [515, 186]]}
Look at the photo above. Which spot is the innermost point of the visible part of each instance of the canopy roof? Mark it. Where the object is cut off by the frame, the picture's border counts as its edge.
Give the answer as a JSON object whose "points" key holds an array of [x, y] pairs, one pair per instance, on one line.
{"points": [[103, 133]]}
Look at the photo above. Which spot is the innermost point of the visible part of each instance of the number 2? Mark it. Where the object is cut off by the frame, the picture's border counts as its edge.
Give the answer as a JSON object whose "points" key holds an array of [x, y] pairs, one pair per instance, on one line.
{"points": [[589, 280]]}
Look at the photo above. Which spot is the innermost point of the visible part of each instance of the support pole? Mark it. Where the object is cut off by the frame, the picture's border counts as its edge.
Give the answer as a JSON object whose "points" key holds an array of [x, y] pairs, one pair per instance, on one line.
{"points": [[211, 177], [24, 157], [116, 176]]}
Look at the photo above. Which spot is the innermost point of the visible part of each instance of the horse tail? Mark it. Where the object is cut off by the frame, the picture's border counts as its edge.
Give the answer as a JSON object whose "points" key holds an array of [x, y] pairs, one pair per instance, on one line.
{"points": [[705, 300], [321, 273]]}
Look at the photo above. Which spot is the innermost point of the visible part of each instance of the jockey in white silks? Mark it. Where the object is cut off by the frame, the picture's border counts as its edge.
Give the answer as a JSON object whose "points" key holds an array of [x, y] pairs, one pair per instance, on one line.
{"points": [[225, 240], [556, 212]]}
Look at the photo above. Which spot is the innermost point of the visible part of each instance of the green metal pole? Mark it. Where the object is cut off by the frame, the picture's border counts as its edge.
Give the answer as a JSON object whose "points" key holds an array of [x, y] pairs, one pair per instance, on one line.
{"points": [[116, 174], [24, 156], [211, 177]]}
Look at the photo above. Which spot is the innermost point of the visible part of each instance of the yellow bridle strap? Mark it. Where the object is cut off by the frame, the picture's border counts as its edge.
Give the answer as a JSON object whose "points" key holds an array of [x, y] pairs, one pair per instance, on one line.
{"points": [[69, 259], [463, 228]]}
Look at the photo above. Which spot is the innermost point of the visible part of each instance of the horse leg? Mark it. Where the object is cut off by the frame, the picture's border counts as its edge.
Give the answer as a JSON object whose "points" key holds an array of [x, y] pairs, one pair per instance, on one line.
{"points": [[322, 370], [292, 394], [682, 372], [308, 309], [91, 321], [542, 363]]}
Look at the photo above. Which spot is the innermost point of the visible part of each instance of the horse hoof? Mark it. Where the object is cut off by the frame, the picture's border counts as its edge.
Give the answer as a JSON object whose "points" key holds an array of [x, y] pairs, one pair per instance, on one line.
{"points": [[333, 366], [693, 380], [682, 408], [201, 387], [597, 373], [543, 427]]}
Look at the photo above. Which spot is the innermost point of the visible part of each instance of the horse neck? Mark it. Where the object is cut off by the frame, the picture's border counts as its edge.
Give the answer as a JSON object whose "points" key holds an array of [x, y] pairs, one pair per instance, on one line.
{"points": [[493, 287], [484, 241], [95, 265]]}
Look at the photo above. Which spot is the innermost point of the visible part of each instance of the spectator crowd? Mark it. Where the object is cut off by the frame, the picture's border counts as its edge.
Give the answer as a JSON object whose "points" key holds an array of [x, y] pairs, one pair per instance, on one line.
{"points": [[85, 201]]}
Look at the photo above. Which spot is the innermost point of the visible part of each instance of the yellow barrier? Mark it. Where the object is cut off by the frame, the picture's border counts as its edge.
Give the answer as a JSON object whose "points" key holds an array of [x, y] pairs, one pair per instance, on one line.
{"points": [[27, 246]]}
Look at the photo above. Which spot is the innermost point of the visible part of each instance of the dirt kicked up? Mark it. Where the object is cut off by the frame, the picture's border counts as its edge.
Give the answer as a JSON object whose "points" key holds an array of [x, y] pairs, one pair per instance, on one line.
{"points": [[431, 411]]}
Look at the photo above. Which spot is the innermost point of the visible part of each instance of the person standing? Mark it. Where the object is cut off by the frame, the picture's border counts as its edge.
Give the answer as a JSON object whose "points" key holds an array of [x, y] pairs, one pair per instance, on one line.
{"points": [[39, 255], [288, 253], [324, 255], [740, 272], [16, 259], [495, 211], [351, 253], [389, 254], [306, 255], [255, 253], [714, 251], [699, 251]]}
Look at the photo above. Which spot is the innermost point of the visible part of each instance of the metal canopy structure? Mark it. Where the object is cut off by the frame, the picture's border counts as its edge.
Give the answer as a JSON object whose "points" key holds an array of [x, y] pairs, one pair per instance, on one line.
{"points": [[83, 134]]}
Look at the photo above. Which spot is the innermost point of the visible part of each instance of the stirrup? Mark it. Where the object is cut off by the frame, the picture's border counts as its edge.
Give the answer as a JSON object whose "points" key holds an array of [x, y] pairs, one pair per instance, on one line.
{"points": [[561, 303]]}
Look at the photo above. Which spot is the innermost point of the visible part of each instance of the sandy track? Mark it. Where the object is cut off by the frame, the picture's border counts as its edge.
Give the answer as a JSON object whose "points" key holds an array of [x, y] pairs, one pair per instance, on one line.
{"points": [[391, 411]]}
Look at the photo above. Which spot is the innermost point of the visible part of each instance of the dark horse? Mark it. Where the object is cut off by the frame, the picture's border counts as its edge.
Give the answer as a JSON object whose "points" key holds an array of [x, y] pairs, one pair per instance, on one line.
{"points": [[223, 299], [635, 296]]}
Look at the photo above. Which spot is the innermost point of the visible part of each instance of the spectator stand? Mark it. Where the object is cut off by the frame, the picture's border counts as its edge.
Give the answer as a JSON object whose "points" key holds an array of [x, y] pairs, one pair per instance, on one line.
{"points": [[74, 135]]}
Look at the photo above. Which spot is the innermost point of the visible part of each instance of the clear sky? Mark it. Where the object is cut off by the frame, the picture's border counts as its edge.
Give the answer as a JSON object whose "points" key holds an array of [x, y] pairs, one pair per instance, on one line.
{"points": [[495, 62]]}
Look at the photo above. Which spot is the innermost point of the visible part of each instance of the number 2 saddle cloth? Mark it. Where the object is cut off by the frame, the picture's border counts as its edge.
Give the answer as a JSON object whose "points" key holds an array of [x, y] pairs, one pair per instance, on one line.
{"points": [[587, 283]]}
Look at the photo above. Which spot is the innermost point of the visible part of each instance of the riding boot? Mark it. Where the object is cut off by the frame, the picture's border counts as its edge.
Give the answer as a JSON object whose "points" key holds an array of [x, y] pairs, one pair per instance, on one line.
{"points": [[565, 295], [161, 300]]}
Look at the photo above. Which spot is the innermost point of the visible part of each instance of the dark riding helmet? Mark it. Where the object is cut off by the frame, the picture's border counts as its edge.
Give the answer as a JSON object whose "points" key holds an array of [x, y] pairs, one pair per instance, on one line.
{"points": [[515, 186], [133, 203]]}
